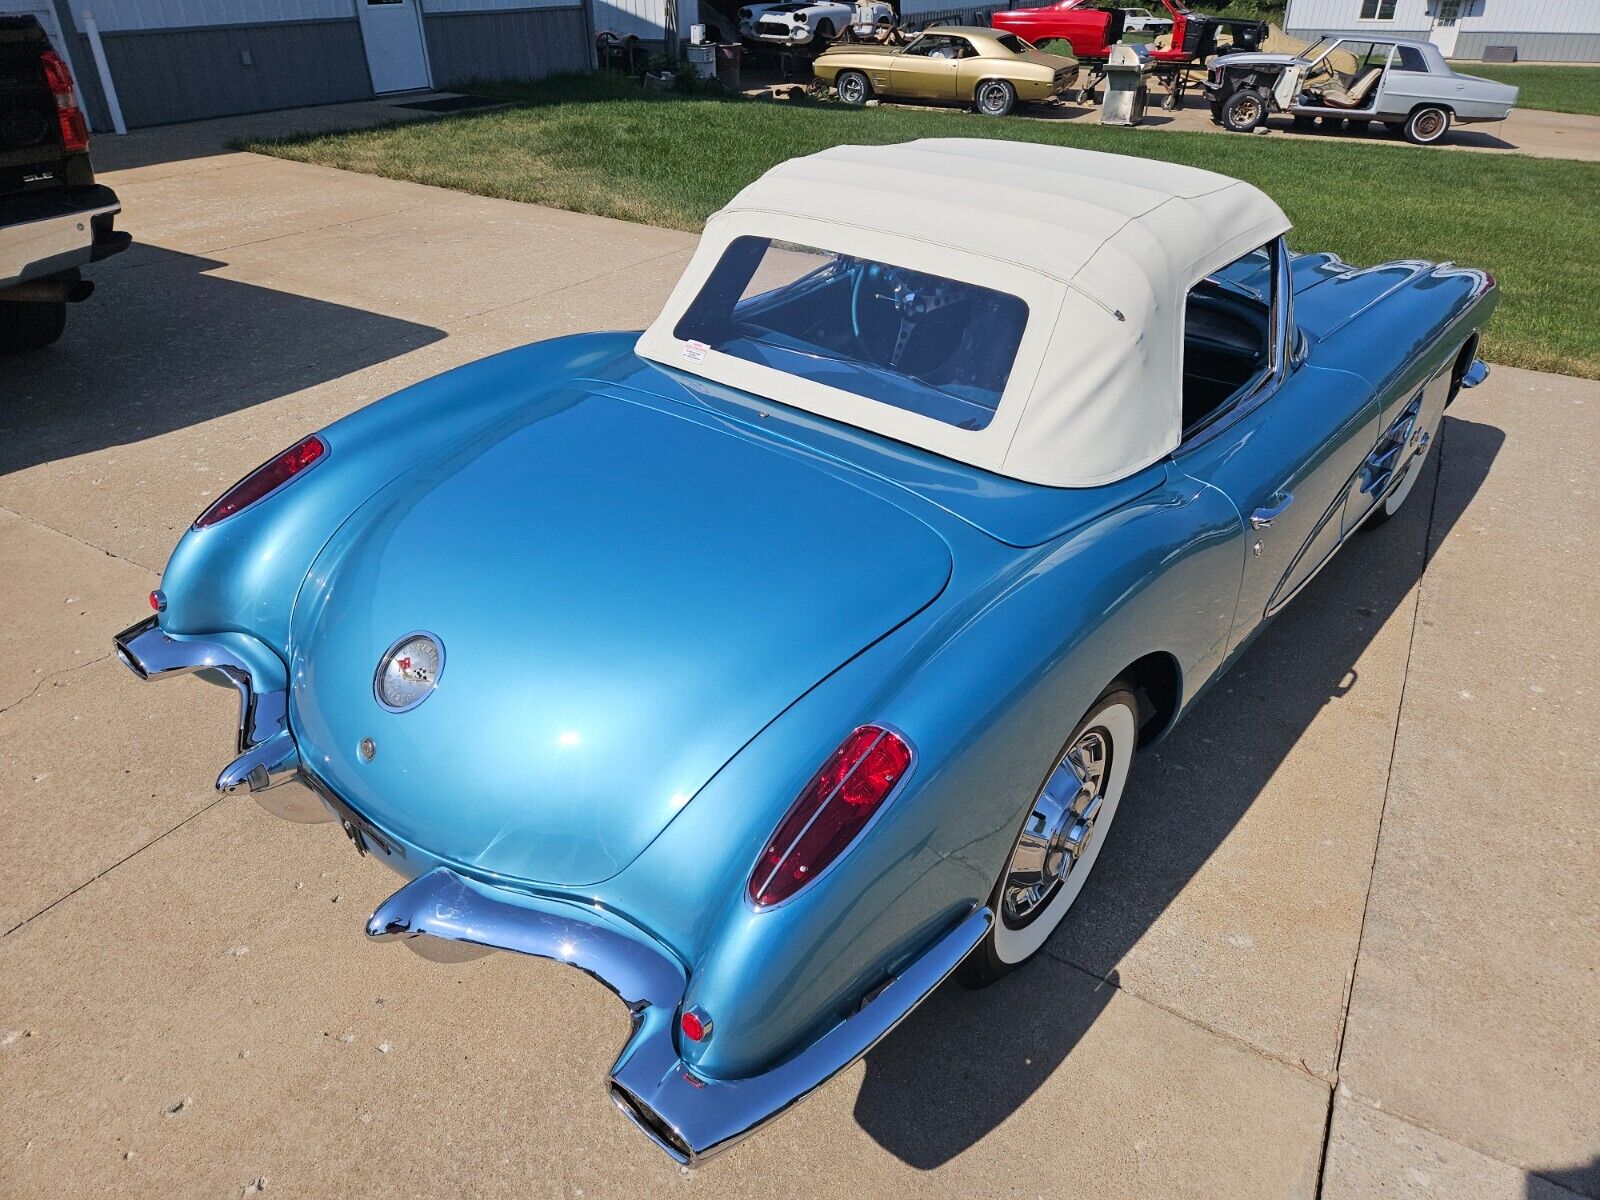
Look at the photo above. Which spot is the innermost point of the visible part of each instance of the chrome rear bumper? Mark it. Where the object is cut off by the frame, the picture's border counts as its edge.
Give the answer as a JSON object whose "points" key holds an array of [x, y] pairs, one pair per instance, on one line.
{"points": [[445, 916], [268, 755], [688, 1115]]}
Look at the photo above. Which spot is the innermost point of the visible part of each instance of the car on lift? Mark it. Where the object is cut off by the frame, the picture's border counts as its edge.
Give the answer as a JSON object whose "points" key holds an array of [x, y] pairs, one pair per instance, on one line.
{"points": [[1353, 81], [986, 68], [773, 663]]}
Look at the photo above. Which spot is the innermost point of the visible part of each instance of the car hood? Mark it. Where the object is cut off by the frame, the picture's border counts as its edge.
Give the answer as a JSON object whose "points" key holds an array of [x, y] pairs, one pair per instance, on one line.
{"points": [[626, 595]]}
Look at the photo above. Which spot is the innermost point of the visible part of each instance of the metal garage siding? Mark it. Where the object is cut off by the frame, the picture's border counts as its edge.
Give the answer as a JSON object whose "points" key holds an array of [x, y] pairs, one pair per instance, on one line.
{"points": [[188, 14], [1532, 47], [526, 43], [1346, 14], [186, 74], [1531, 16]]}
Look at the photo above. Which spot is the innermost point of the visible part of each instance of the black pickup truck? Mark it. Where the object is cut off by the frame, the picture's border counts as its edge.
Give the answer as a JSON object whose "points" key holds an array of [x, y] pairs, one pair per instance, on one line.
{"points": [[54, 218]]}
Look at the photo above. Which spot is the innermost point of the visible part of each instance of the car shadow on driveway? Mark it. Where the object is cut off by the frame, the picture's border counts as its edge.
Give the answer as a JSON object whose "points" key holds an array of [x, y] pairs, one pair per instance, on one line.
{"points": [[164, 344], [965, 1061]]}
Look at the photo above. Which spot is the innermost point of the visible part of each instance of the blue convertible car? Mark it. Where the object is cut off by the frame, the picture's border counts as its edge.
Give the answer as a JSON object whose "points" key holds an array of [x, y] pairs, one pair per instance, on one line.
{"points": [[773, 663]]}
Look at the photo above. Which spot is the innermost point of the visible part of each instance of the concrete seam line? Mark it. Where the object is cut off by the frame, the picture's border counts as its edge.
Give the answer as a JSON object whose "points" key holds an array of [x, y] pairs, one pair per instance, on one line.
{"points": [[1399, 718], [1224, 1034], [278, 237], [106, 871], [616, 270], [1464, 1143], [54, 675], [72, 537]]}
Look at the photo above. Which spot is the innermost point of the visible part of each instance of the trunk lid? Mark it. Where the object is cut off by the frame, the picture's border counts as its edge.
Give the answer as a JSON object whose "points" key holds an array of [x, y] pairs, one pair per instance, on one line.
{"points": [[626, 594]]}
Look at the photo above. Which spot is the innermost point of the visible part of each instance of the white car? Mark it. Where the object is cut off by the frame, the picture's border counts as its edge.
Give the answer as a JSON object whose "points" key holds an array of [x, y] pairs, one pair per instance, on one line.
{"points": [[803, 24], [1142, 20], [750, 14]]}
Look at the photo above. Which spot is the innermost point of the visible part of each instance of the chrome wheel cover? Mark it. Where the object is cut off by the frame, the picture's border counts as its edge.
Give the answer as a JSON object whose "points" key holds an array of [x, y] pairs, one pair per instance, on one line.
{"points": [[992, 97], [852, 90], [1060, 829]]}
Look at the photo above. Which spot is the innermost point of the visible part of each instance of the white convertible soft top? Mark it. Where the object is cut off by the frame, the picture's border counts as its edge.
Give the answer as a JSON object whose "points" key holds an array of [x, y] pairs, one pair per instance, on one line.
{"points": [[1102, 247]]}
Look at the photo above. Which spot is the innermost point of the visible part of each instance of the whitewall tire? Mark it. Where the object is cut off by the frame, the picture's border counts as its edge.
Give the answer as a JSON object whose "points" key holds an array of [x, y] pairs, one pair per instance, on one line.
{"points": [[1061, 837]]}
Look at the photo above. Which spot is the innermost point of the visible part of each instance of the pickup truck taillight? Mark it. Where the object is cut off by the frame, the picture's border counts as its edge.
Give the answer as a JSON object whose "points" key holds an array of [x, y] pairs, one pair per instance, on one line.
{"points": [[74, 129]]}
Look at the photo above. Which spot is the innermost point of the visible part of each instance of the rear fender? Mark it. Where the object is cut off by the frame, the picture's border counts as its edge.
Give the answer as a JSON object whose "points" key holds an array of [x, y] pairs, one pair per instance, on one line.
{"points": [[985, 689], [244, 574]]}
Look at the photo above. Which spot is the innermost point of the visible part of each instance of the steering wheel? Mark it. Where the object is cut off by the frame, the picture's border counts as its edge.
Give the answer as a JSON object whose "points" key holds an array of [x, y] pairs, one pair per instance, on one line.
{"points": [[911, 298]]}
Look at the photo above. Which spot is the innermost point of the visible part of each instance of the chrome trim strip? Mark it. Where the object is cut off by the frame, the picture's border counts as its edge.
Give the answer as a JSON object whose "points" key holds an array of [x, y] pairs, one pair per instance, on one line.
{"points": [[267, 752], [688, 1115]]}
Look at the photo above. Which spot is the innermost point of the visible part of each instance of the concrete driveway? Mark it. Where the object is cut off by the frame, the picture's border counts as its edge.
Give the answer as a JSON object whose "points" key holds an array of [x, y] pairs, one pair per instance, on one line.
{"points": [[1343, 943]]}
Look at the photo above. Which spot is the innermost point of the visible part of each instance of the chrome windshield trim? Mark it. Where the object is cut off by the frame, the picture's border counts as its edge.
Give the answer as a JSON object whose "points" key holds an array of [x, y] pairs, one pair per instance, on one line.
{"points": [[690, 1116]]}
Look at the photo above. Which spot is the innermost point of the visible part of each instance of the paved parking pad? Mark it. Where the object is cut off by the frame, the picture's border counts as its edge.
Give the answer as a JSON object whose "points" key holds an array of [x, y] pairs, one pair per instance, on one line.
{"points": [[1355, 884]]}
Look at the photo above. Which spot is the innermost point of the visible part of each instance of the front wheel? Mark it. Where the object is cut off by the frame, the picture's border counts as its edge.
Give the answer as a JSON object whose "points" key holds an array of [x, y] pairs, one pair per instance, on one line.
{"points": [[1427, 125], [1061, 837], [853, 88], [30, 324], [824, 31], [1244, 111], [995, 97]]}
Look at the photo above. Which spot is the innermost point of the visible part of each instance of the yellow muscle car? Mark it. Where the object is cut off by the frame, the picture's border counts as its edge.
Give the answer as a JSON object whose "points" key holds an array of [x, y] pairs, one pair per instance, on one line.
{"points": [[987, 68]]}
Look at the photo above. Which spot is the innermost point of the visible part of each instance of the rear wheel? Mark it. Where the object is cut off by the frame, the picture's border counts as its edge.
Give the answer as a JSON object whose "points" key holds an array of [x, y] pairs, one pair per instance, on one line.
{"points": [[1427, 125], [1060, 838], [1244, 111], [30, 324], [995, 97], [853, 88], [1412, 471]]}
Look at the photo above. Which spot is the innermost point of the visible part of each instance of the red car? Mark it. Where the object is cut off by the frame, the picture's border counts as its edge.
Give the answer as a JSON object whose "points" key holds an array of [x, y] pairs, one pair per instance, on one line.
{"points": [[1093, 30]]}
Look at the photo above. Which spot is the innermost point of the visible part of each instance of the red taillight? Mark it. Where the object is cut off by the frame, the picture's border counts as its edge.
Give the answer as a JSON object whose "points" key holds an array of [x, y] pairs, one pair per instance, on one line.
{"points": [[74, 129], [834, 807], [264, 480], [695, 1024]]}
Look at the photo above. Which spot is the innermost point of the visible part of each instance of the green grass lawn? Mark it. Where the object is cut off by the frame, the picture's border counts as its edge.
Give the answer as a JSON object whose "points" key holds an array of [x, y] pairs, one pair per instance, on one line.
{"points": [[1555, 89], [601, 145]]}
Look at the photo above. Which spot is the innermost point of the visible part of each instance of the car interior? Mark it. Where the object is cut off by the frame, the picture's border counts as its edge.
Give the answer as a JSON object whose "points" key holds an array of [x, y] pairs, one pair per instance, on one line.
{"points": [[941, 348], [940, 46], [1348, 76], [1227, 326]]}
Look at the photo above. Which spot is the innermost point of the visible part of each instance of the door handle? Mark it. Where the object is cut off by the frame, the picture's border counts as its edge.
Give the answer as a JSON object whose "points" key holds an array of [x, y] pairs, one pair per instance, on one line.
{"points": [[1263, 518]]}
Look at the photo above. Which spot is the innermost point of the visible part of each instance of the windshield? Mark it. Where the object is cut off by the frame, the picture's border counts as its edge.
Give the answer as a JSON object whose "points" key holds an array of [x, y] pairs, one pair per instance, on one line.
{"points": [[938, 347], [1318, 47]]}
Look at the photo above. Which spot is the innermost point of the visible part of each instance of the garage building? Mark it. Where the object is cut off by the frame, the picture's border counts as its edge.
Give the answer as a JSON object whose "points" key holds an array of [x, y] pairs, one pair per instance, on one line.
{"points": [[1537, 30], [182, 60]]}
